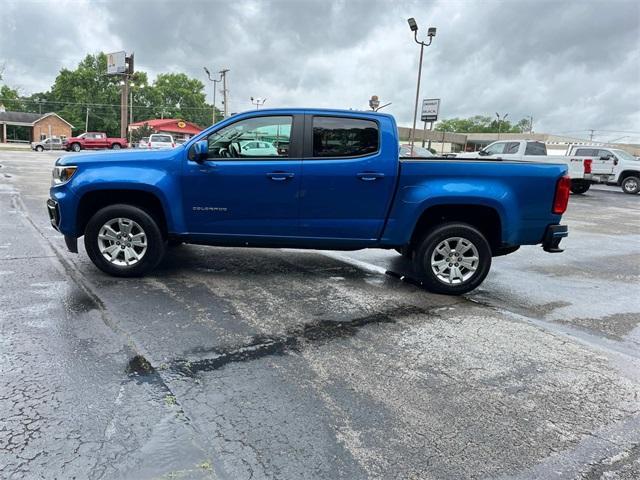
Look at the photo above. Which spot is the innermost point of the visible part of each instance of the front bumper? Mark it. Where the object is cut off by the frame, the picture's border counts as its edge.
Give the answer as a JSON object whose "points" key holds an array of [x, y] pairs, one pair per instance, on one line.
{"points": [[552, 238], [54, 216], [54, 213]]}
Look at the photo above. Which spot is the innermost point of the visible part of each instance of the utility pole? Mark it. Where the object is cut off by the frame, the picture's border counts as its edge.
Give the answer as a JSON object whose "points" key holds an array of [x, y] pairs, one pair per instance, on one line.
{"points": [[225, 92], [214, 81], [431, 32], [591, 136], [530, 124], [86, 122]]}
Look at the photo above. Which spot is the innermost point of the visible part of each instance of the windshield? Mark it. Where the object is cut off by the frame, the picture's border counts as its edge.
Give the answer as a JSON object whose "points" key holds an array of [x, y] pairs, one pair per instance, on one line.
{"points": [[624, 155]]}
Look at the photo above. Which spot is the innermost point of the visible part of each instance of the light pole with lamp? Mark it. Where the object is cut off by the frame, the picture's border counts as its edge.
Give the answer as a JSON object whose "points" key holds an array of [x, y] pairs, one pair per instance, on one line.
{"points": [[213, 115], [499, 122], [258, 102], [431, 32]]}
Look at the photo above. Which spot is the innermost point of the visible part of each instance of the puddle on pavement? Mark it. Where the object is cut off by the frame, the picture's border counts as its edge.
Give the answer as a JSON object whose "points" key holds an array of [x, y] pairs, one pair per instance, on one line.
{"points": [[139, 365], [293, 340]]}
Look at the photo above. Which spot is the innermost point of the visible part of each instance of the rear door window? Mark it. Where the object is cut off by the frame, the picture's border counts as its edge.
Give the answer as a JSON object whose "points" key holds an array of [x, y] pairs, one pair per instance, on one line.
{"points": [[511, 147], [535, 148], [344, 137]]}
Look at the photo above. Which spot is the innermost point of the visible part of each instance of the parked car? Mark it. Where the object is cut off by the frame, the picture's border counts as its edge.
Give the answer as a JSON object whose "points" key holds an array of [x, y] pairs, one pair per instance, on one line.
{"points": [[534, 151], [258, 149], [143, 143], [418, 152], [611, 166], [343, 188], [94, 140], [47, 144], [160, 141]]}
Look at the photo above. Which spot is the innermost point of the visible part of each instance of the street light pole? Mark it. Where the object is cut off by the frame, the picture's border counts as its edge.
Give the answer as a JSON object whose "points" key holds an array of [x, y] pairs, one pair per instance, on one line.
{"points": [[213, 114], [431, 32], [258, 102]]}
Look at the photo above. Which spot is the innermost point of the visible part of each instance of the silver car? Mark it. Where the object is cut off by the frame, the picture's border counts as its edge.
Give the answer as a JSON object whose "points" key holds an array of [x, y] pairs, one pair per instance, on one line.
{"points": [[47, 144]]}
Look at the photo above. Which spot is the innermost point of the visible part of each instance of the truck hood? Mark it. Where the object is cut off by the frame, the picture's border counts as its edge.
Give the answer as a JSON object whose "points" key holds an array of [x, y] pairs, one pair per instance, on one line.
{"points": [[125, 155]]}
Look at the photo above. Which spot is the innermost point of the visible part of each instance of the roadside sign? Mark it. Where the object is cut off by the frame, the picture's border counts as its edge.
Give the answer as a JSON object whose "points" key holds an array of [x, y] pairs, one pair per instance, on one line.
{"points": [[116, 63], [430, 109]]}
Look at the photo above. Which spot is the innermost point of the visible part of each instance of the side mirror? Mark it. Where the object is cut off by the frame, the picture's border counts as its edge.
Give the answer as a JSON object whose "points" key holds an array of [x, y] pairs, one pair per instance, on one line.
{"points": [[482, 152], [199, 151], [605, 157]]}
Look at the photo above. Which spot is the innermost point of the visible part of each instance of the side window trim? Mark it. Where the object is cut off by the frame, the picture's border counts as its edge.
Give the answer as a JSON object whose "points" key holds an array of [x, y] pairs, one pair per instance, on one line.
{"points": [[308, 138]]}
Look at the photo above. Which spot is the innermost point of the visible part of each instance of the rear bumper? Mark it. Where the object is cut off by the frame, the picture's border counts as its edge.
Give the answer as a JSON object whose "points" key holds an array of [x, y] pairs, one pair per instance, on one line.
{"points": [[552, 237]]}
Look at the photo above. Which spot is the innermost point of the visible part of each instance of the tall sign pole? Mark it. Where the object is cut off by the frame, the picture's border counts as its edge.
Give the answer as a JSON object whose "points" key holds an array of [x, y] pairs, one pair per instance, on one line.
{"points": [[124, 106], [118, 63], [429, 113]]}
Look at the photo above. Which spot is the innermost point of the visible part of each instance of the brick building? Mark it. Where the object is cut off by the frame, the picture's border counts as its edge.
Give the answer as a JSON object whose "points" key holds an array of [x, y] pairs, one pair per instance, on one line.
{"points": [[37, 126]]}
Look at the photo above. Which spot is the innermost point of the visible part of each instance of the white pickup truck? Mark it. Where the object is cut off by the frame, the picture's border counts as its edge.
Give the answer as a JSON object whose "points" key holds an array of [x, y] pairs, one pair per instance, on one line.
{"points": [[610, 166], [535, 151]]}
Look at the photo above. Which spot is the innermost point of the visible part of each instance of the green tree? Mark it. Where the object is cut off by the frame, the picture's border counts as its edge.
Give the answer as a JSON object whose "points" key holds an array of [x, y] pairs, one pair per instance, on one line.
{"points": [[481, 124], [10, 98], [175, 95], [141, 132]]}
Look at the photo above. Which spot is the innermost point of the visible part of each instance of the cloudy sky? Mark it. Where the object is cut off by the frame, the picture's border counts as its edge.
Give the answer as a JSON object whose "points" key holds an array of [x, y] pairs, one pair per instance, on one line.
{"points": [[572, 64]]}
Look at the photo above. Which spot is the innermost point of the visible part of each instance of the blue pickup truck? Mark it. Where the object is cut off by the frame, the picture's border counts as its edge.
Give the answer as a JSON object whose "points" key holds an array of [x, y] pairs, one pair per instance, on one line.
{"points": [[303, 178]]}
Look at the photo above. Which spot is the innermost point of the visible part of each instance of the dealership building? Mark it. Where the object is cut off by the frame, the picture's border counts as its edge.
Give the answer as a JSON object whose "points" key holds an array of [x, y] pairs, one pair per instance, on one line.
{"points": [[448, 142]]}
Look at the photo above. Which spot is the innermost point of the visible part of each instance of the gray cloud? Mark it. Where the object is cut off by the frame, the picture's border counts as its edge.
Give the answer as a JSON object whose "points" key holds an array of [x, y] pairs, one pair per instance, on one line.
{"points": [[572, 64]]}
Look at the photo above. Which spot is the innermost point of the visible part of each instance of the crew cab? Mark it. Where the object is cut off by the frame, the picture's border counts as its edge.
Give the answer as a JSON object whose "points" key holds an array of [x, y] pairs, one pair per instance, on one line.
{"points": [[334, 180], [611, 166], [94, 140], [534, 151]]}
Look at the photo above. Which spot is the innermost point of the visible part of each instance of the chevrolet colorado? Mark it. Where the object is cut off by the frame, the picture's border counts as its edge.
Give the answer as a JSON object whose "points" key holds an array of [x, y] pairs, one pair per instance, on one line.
{"points": [[333, 180]]}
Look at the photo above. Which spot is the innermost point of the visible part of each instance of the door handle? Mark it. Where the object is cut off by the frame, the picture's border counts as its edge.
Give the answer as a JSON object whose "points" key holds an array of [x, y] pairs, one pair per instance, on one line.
{"points": [[280, 176], [369, 176]]}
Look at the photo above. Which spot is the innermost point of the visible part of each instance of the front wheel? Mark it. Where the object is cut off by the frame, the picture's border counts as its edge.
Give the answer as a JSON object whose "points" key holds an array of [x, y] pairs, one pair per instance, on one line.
{"points": [[124, 241], [453, 258], [631, 185], [39, 148], [579, 186], [115, 146], [76, 147]]}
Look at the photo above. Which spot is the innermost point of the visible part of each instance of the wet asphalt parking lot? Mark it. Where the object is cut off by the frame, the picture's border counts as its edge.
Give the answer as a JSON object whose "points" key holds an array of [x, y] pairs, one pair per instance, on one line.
{"points": [[281, 364]]}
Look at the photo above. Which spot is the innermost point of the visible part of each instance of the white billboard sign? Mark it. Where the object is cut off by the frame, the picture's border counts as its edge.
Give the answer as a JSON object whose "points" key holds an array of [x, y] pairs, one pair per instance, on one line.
{"points": [[116, 63], [430, 109]]}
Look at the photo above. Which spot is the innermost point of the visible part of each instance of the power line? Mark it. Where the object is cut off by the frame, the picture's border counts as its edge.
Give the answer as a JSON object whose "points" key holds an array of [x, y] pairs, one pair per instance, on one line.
{"points": [[21, 100]]}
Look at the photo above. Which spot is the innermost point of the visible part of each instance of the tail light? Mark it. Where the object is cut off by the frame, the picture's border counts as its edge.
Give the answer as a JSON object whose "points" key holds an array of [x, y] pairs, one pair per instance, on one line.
{"points": [[587, 165], [173, 145], [561, 199], [149, 145]]}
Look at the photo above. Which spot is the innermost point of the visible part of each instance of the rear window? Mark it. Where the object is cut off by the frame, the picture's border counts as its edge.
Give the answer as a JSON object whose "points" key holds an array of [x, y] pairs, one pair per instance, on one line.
{"points": [[344, 137], [535, 148], [586, 152], [161, 138]]}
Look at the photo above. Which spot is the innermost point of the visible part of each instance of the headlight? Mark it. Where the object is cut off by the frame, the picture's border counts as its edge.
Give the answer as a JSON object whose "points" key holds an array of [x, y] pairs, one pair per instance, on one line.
{"points": [[62, 174]]}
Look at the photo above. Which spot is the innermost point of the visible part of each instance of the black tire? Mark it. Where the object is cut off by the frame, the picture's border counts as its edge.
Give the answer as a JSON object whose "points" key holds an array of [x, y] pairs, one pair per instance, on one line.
{"points": [[631, 185], [156, 244], [76, 147], [116, 146], [434, 238], [579, 186], [39, 148]]}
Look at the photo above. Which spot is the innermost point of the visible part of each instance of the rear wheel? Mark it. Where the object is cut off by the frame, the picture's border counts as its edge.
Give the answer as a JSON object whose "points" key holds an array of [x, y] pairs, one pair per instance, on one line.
{"points": [[453, 258], [631, 185], [579, 186], [124, 241]]}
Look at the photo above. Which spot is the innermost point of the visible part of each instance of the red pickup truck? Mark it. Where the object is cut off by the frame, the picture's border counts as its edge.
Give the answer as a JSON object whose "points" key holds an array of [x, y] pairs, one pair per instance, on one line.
{"points": [[90, 140]]}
